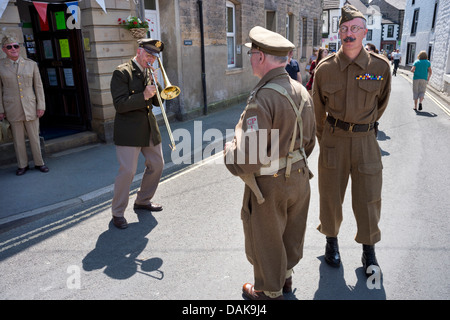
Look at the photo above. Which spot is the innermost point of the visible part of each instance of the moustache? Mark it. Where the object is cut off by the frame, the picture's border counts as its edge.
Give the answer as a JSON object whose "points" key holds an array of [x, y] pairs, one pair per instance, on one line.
{"points": [[349, 39]]}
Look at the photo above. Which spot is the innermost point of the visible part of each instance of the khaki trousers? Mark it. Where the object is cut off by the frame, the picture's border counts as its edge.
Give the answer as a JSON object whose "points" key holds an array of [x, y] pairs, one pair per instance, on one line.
{"points": [[344, 154], [274, 230], [128, 160], [18, 129]]}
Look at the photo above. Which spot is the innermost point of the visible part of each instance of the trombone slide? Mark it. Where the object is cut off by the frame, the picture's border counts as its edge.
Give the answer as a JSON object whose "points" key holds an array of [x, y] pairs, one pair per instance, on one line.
{"points": [[173, 147]]}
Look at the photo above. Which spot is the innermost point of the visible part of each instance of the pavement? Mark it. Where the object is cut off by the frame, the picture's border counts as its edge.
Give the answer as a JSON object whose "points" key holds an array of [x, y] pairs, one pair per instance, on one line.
{"points": [[84, 173]]}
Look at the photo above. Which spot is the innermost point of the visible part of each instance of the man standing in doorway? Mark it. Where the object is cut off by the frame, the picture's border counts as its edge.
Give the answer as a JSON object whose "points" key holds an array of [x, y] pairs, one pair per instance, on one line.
{"points": [[22, 103], [351, 91]]}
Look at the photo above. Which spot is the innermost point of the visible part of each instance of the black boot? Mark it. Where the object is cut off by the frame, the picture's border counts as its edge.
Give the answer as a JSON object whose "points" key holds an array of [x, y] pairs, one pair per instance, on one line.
{"points": [[368, 258], [332, 256]]}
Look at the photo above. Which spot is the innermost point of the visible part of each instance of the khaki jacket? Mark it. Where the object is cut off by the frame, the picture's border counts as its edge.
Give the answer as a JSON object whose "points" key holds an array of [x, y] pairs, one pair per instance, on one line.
{"points": [[21, 93], [267, 109], [352, 91], [134, 121]]}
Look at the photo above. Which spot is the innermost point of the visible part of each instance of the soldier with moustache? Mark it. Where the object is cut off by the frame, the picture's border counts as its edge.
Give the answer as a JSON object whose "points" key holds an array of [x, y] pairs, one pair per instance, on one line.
{"points": [[274, 224], [350, 93]]}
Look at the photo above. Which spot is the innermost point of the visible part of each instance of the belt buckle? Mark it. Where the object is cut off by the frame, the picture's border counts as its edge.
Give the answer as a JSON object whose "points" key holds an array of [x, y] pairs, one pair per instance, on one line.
{"points": [[350, 128]]}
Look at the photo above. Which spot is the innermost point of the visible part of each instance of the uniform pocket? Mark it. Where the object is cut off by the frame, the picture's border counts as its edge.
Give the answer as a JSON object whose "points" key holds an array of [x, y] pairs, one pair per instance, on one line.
{"points": [[330, 90], [370, 168], [369, 93], [329, 157]]}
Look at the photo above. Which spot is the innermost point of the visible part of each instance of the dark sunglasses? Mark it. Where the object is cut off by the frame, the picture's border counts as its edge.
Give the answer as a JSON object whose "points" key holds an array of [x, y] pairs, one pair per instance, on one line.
{"points": [[9, 47]]}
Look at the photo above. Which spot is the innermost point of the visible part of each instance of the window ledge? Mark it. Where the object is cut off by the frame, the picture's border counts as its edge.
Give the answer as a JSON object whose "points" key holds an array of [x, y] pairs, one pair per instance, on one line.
{"points": [[234, 70]]}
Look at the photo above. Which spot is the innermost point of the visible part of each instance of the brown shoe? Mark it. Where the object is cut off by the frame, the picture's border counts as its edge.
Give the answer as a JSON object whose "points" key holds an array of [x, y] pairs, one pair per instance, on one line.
{"points": [[21, 171], [150, 207], [287, 285], [42, 168], [120, 222], [249, 292]]}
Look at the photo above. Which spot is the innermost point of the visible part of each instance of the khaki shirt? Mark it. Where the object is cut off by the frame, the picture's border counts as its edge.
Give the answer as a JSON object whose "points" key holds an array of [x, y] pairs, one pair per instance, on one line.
{"points": [[21, 90], [352, 91], [267, 109]]}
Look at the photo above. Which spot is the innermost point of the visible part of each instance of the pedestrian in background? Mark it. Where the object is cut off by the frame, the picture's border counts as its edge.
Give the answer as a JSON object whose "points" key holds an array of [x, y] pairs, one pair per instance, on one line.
{"points": [[371, 47], [396, 58], [136, 130], [351, 92], [293, 68], [22, 103], [320, 55], [274, 229], [422, 73]]}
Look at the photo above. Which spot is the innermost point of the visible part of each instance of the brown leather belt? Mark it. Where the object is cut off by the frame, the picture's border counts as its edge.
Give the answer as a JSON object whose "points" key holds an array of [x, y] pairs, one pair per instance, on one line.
{"points": [[352, 127]]}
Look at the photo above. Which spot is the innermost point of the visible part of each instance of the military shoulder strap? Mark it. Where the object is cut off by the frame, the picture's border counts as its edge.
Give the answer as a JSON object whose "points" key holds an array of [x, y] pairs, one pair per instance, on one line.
{"points": [[298, 112]]}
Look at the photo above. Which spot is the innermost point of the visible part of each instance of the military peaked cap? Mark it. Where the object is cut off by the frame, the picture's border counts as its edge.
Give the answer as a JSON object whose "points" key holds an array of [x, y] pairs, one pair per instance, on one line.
{"points": [[152, 46]]}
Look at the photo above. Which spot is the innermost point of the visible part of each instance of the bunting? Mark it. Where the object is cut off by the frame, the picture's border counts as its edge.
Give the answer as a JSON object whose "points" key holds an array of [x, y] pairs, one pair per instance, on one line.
{"points": [[3, 4], [41, 8], [101, 3], [73, 7]]}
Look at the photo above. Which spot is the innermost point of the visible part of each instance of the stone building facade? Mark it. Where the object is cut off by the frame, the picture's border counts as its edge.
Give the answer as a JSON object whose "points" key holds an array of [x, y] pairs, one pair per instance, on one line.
{"points": [[204, 52]]}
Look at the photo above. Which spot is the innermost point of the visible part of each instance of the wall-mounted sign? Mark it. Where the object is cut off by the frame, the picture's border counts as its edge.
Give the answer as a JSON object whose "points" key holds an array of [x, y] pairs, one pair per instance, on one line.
{"points": [[188, 42]]}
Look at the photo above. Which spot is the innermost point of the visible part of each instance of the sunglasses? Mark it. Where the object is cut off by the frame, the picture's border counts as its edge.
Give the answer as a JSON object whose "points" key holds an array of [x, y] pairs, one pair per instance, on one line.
{"points": [[15, 46]]}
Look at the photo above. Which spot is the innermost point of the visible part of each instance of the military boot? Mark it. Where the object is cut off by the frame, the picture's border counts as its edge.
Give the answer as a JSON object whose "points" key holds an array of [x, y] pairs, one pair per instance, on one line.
{"points": [[332, 256], [368, 258]]}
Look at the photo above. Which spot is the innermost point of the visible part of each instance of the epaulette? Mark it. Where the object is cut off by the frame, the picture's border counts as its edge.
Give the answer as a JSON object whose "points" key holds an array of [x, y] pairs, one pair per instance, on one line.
{"points": [[379, 56]]}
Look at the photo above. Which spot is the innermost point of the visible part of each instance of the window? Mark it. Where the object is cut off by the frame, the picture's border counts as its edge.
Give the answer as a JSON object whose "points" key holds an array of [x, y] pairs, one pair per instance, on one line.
{"points": [[370, 20], [271, 21], [433, 24], [316, 33], [369, 35], [415, 22], [304, 36], [290, 27], [390, 31], [410, 52], [231, 34]]}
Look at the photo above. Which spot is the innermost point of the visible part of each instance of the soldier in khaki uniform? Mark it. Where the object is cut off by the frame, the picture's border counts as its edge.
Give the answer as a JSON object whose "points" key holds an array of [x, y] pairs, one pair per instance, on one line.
{"points": [[274, 137], [136, 130], [351, 92], [22, 102]]}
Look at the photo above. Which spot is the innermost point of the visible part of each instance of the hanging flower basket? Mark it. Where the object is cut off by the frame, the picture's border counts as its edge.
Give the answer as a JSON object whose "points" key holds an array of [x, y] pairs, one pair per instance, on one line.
{"points": [[139, 33]]}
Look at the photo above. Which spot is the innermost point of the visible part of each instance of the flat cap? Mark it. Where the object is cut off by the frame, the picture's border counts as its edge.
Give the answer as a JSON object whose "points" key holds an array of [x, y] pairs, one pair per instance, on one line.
{"points": [[269, 42], [8, 39], [349, 12], [152, 46]]}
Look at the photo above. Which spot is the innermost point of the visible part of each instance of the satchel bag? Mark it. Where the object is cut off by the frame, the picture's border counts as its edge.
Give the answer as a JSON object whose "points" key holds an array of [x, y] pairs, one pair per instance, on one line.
{"points": [[5, 131]]}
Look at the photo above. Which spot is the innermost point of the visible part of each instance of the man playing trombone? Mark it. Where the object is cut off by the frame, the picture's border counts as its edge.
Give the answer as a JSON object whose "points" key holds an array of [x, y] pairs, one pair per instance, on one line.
{"points": [[134, 91]]}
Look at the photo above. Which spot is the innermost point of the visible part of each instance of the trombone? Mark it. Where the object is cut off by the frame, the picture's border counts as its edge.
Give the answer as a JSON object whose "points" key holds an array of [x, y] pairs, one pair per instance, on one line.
{"points": [[168, 93]]}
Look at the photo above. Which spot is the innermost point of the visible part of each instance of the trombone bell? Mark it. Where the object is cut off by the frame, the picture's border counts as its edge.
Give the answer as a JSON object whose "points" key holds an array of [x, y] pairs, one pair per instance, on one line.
{"points": [[170, 91]]}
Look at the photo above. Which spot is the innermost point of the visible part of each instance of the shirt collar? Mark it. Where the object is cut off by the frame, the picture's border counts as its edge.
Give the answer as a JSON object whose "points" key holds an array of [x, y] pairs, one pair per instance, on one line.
{"points": [[137, 63], [362, 60]]}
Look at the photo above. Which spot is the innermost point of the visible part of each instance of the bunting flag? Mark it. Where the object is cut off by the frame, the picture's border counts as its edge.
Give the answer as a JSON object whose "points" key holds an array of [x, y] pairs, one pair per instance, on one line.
{"points": [[101, 3], [41, 8], [73, 7]]}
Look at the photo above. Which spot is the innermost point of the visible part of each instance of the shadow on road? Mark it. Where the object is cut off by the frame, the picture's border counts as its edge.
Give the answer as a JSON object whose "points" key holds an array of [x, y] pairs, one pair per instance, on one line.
{"points": [[332, 285], [117, 250]]}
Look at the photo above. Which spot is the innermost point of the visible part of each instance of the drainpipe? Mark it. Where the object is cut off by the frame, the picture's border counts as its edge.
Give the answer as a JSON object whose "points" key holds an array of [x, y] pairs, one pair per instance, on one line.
{"points": [[205, 106]]}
